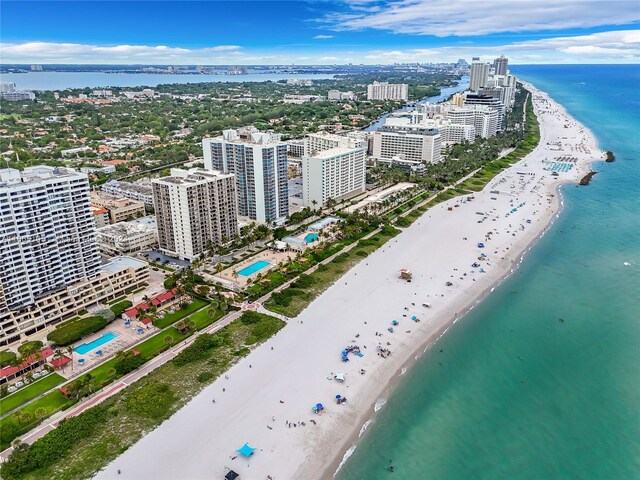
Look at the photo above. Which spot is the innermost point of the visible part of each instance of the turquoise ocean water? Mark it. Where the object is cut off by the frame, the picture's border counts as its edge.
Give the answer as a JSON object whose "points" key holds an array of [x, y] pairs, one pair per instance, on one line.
{"points": [[516, 392]]}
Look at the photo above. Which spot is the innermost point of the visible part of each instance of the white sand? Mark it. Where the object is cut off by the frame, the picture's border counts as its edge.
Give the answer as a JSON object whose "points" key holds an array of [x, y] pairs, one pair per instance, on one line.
{"points": [[295, 367]]}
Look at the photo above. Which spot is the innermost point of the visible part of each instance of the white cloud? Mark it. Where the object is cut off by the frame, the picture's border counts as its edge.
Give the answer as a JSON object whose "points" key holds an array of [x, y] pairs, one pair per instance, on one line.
{"points": [[322, 37], [473, 17], [618, 46], [50, 52]]}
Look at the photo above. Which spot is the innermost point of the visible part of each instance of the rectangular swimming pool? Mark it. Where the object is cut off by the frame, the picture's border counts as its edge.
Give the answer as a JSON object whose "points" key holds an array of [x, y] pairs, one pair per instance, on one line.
{"points": [[87, 347], [253, 268]]}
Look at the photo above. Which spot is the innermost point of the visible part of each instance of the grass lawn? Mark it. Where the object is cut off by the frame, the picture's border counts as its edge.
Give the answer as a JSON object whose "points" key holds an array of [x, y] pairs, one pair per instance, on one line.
{"points": [[171, 318], [32, 391], [202, 319], [154, 345], [27, 417]]}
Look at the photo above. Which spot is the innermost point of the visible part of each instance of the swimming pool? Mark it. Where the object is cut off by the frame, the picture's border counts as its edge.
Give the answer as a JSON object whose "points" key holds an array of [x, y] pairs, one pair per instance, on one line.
{"points": [[253, 268], [310, 237], [87, 347]]}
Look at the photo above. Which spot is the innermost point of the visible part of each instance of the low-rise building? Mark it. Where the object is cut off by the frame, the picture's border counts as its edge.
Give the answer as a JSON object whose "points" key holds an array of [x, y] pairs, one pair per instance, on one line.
{"points": [[128, 237], [120, 209], [338, 96], [121, 276], [100, 216], [299, 99], [142, 192]]}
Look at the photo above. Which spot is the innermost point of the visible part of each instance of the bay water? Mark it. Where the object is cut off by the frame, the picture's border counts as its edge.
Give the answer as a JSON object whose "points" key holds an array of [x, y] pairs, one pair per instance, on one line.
{"points": [[542, 379]]}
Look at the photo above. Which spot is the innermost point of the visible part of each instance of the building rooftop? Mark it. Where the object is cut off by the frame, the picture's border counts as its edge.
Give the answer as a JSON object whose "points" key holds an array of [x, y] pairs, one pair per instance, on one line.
{"points": [[13, 176], [332, 152], [323, 223], [132, 227], [118, 264]]}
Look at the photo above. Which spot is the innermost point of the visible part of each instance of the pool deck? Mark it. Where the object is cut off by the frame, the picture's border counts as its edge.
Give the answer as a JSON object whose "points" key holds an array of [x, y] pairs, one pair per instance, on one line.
{"points": [[267, 255], [127, 336]]}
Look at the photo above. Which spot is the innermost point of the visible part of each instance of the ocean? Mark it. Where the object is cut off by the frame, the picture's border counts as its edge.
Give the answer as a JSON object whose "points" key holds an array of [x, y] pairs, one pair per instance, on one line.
{"points": [[542, 379]]}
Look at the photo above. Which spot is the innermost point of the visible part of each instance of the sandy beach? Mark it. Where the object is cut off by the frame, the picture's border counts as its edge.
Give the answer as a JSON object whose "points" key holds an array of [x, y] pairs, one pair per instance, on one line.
{"points": [[267, 398]]}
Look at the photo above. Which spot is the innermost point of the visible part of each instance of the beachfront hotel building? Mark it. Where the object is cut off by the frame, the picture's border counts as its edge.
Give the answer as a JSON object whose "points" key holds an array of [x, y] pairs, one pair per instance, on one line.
{"points": [[193, 208], [408, 142], [47, 232], [483, 118], [333, 167], [259, 163], [388, 91], [500, 65], [479, 74]]}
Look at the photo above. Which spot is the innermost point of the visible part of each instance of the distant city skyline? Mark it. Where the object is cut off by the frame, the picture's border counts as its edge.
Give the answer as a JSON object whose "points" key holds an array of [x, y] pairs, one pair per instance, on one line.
{"points": [[319, 32]]}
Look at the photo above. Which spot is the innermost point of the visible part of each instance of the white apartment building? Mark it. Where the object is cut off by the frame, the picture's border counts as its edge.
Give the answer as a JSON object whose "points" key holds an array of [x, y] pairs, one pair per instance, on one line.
{"points": [[47, 233], [387, 91], [128, 237], [483, 118], [338, 96], [449, 132], [333, 167], [411, 142], [317, 142], [135, 191], [194, 207], [259, 162]]}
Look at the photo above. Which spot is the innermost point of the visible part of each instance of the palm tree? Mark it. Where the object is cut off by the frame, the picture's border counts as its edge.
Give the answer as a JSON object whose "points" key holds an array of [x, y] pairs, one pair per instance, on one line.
{"points": [[70, 352]]}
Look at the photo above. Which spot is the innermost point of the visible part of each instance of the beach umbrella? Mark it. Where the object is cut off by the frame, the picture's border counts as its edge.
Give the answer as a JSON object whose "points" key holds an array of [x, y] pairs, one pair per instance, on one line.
{"points": [[246, 450], [338, 397], [319, 406], [81, 360], [414, 317], [98, 352]]}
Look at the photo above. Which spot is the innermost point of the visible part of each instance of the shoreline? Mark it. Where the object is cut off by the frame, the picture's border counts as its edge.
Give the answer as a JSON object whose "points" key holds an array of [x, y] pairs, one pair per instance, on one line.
{"points": [[294, 374], [349, 446]]}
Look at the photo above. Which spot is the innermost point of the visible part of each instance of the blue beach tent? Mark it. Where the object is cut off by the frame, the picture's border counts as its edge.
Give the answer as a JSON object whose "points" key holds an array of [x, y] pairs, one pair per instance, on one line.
{"points": [[246, 450]]}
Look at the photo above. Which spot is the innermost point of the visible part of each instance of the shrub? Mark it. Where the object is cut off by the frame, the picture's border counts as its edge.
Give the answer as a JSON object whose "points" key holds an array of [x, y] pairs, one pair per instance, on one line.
{"points": [[120, 307], [27, 348], [71, 331], [127, 362], [198, 350], [205, 377], [243, 352], [7, 358], [53, 446], [249, 318], [152, 401], [403, 222], [170, 282], [107, 314], [303, 281]]}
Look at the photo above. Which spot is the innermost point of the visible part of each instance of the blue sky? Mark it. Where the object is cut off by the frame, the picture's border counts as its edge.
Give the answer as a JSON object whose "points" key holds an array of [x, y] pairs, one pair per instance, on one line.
{"points": [[319, 32]]}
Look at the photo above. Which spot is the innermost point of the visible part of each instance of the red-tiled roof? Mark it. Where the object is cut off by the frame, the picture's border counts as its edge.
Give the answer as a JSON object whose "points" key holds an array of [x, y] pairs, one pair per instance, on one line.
{"points": [[136, 352], [60, 361], [146, 320], [142, 306], [131, 313], [44, 354]]}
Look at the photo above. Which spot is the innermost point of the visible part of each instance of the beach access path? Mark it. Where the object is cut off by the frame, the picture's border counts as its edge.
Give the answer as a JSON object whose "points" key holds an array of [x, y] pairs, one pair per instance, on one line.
{"points": [[267, 396]]}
